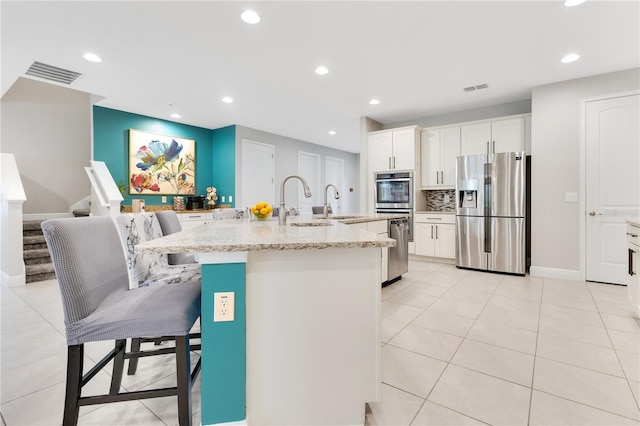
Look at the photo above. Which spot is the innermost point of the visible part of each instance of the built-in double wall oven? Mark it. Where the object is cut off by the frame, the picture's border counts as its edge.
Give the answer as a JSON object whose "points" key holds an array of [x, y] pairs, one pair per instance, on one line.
{"points": [[393, 193]]}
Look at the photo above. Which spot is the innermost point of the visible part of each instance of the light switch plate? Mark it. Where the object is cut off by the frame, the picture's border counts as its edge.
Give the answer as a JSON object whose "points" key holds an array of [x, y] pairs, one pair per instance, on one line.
{"points": [[571, 197], [224, 306]]}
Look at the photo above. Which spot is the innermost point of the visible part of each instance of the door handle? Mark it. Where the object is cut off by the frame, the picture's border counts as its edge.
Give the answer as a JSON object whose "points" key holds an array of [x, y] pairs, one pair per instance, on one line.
{"points": [[494, 147], [436, 232], [631, 253], [394, 162], [432, 232], [389, 163], [632, 235], [594, 213], [437, 177], [488, 148]]}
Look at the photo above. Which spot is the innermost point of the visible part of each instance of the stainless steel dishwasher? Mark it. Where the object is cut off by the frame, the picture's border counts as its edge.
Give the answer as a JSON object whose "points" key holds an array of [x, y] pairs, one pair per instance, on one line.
{"points": [[398, 255]]}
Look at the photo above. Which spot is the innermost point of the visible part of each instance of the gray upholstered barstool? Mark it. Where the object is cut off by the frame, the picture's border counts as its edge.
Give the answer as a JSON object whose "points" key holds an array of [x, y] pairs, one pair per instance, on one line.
{"points": [[98, 305], [170, 224]]}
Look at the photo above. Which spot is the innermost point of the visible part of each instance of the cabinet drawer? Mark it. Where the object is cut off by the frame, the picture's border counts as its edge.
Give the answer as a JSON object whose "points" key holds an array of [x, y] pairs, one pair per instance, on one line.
{"points": [[191, 217], [434, 218]]}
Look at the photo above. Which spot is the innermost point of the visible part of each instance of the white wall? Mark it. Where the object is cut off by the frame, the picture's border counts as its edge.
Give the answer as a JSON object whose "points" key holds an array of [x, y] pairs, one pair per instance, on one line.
{"points": [[286, 163], [555, 152], [48, 130]]}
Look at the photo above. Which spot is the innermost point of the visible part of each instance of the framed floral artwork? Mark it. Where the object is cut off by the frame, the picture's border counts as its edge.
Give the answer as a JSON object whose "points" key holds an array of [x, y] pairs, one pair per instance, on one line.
{"points": [[161, 164]]}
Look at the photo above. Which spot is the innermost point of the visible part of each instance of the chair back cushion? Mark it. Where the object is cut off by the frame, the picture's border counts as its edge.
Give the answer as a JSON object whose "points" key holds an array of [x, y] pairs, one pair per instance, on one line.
{"points": [[135, 229], [170, 224], [88, 261]]}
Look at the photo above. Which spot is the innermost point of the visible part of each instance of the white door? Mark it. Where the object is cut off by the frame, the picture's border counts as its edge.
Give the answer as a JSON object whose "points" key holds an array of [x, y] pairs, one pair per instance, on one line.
{"points": [[474, 138], [450, 149], [507, 135], [430, 158], [612, 184], [404, 150], [309, 169], [334, 174], [258, 174]]}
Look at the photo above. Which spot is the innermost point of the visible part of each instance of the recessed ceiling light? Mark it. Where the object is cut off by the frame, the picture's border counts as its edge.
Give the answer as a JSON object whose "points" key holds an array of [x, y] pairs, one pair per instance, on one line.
{"points": [[92, 57], [332, 132], [174, 115], [322, 70], [570, 58], [571, 3], [227, 100], [250, 17], [374, 102]]}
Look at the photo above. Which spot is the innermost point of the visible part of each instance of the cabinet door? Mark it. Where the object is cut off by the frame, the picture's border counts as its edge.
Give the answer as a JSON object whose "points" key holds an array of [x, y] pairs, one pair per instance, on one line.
{"points": [[445, 244], [380, 153], [404, 150], [474, 138], [449, 150], [508, 135], [430, 158], [424, 239]]}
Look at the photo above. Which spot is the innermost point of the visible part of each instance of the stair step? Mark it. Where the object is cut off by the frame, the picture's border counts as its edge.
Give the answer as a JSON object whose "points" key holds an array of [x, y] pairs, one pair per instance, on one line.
{"points": [[42, 268], [35, 253], [31, 225], [33, 239], [40, 277]]}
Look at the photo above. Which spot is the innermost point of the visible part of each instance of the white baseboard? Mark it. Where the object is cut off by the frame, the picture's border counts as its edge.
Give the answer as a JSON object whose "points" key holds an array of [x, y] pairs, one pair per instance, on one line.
{"points": [[45, 216], [13, 281], [561, 274]]}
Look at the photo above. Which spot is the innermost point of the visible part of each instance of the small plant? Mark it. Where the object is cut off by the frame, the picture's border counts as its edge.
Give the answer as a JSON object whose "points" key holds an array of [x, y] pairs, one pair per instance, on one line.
{"points": [[122, 187]]}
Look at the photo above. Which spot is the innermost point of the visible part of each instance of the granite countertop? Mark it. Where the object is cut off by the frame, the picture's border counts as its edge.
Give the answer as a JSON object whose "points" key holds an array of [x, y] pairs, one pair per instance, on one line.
{"points": [[634, 222], [242, 235]]}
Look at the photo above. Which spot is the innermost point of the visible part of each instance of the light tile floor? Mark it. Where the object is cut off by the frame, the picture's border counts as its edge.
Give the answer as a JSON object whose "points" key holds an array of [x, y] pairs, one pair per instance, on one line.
{"points": [[458, 348]]}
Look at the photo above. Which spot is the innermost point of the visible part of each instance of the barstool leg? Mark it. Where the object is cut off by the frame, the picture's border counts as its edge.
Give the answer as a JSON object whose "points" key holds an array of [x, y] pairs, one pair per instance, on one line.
{"points": [[118, 366], [75, 358], [183, 370], [133, 362]]}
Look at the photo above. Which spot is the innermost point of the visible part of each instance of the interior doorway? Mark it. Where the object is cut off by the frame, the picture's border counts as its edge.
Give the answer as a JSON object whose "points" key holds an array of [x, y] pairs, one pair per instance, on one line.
{"points": [[334, 174], [612, 184], [258, 173]]}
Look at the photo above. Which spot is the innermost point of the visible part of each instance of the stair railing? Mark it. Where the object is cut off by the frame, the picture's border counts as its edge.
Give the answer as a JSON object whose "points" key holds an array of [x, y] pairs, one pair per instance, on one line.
{"points": [[105, 195], [12, 198]]}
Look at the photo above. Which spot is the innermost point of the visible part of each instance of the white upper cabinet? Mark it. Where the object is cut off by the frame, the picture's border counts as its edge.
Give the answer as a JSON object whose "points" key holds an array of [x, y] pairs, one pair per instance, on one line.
{"points": [[439, 150], [492, 137], [392, 149]]}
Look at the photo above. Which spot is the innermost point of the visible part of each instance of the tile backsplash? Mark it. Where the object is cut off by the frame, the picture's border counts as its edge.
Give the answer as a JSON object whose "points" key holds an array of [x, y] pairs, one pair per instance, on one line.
{"points": [[436, 200]]}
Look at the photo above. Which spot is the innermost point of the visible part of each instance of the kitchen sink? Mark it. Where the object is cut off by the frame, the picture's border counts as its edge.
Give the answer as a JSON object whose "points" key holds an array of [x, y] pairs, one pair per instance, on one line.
{"points": [[311, 224]]}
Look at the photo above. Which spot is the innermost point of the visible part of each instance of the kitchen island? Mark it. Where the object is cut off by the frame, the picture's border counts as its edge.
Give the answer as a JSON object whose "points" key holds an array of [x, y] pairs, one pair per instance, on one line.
{"points": [[303, 347]]}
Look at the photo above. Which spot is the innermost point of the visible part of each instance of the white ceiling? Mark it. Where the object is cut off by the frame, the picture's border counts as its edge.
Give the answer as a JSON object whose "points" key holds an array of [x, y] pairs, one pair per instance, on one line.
{"points": [[415, 57]]}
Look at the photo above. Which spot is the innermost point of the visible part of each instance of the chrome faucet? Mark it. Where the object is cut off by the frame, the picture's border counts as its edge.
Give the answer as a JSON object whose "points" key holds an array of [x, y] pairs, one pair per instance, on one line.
{"points": [[325, 209], [282, 213]]}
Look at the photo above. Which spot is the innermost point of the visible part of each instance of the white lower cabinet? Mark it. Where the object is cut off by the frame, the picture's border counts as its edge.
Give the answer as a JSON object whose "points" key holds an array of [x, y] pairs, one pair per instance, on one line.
{"points": [[381, 229], [435, 235], [192, 219]]}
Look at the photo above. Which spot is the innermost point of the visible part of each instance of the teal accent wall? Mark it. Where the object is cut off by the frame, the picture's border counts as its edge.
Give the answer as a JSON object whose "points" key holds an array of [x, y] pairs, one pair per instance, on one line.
{"points": [[224, 162], [224, 359], [111, 145]]}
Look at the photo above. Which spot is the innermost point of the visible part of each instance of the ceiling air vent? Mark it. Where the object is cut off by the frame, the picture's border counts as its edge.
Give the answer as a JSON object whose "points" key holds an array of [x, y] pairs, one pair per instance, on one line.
{"points": [[49, 72], [474, 88]]}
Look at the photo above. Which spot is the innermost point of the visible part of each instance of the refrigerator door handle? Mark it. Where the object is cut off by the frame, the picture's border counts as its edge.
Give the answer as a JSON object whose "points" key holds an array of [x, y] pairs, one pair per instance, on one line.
{"points": [[488, 148], [494, 147], [487, 206]]}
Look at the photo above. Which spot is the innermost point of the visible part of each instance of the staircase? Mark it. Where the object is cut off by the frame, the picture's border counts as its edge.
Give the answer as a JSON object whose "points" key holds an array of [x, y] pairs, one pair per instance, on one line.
{"points": [[38, 265]]}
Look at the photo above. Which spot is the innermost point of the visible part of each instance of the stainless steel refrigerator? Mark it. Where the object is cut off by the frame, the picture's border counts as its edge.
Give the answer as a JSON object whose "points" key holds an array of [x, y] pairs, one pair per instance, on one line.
{"points": [[490, 212]]}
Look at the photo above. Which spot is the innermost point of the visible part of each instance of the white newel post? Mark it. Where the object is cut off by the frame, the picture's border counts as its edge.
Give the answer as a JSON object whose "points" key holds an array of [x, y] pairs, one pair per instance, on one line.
{"points": [[105, 196], [12, 197]]}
